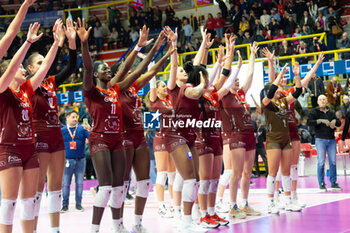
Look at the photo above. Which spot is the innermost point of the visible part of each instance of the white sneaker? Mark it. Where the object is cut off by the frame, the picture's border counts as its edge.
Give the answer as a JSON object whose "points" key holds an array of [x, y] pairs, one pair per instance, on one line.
{"points": [[192, 228], [296, 202], [165, 213], [196, 214], [272, 209], [279, 205], [221, 207], [122, 229], [292, 207], [177, 222], [139, 229]]}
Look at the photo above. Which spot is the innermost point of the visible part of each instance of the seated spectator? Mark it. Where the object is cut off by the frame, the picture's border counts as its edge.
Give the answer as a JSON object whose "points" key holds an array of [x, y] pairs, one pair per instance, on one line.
{"points": [[197, 44], [265, 18], [98, 34], [188, 31], [281, 7], [257, 26], [345, 44], [115, 24], [134, 35], [331, 14], [290, 26], [223, 9], [306, 20], [113, 38], [313, 9], [260, 37], [189, 48], [133, 19], [296, 34], [345, 107], [318, 27], [219, 26], [334, 91], [268, 33], [243, 25], [280, 35], [275, 15], [123, 38], [210, 25], [322, 19], [285, 50], [318, 45]]}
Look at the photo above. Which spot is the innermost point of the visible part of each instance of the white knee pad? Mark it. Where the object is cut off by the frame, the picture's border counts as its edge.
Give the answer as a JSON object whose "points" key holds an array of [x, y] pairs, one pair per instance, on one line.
{"points": [[117, 197], [178, 183], [38, 197], [54, 200], [213, 188], [7, 211], [225, 178], [171, 177], [204, 186], [161, 178], [143, 188], [190, 190], [102, 196], [28, 208], [286, 183], [294, 172], [270, 184], [279, 175]]}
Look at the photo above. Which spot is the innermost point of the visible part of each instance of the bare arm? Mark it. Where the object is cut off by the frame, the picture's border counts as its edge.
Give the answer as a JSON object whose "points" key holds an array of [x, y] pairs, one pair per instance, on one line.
{"points": [[275, 83], [214, 71], [16, 61], [14, 27], [270, 56], [202, 48], [249, 79], [311, 73], [174, 59]]}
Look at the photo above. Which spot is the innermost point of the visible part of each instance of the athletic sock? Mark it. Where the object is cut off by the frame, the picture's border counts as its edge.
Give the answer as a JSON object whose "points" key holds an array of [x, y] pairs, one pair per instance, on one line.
{"points": [[55, 230], [203, 213], [245, 202], [187, 219], [95, 228], [116, 224], [138, 219], [294, 195]]}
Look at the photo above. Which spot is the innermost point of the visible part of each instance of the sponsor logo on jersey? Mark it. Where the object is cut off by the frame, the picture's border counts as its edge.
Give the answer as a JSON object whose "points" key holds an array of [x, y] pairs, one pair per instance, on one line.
{"points": [[13, 159]]}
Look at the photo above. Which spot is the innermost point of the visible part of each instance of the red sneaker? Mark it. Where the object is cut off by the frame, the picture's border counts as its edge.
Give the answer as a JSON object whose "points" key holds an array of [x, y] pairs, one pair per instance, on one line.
{"points": [[208, 222], [221, 221]]}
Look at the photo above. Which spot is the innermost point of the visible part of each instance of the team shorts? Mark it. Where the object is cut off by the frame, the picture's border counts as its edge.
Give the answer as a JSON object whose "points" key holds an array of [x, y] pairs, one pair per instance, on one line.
{"points": [[105, 142], [49, 141], [294, 133], [171, 141], [134, 139], [283, 143], [18, 156], [237, 140], [209, 144]]}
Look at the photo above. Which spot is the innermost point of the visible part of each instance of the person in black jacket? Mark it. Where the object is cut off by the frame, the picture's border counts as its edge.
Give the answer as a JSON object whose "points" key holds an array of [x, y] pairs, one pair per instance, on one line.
{"points": [[325, 122], [316, 89], [260, 148], [223, 8]]}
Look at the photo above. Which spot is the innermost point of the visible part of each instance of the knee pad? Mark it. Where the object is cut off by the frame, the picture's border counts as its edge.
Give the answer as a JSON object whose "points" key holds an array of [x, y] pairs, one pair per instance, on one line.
{"points": [[38, 197], [102, 196], [54, 201], [161, 178], [204, 186], [270, 184], [7, 211], [286, 183], [190, 190], [178, 183], [213, 188], [225, 178], [117, 197], [28, 208], [279, 175], [171, 177], [294, 172], [143, 188]]}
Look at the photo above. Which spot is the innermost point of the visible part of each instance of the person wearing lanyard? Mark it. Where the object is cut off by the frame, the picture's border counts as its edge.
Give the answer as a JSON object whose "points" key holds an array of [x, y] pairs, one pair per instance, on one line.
{"points": [[74, 137]]}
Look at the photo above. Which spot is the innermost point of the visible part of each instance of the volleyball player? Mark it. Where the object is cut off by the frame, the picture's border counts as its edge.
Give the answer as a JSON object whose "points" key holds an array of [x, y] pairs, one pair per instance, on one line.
{"points": [[47, 128], [278, 143], [292, 124], [19, 162]]}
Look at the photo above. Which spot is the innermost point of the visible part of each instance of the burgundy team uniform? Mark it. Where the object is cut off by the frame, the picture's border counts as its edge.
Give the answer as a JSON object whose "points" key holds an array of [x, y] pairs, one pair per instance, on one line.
{"points": [[133, 134], [292, 122], [105, 110], [46, 123], [165, 107], [238, 129], [209, 140], [16, 129]]}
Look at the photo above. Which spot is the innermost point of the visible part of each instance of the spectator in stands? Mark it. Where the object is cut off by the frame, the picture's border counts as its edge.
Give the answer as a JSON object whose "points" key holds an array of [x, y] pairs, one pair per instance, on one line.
{"points": [[257, 26], [331, 13], [346, 89], [170, 15], [133, 21], [149, 18], [337, 9], [219, 26], [316, 88], [180, 47], [345, 44], [318, 27], [268, 4], [235, 16], [244, 24], [285, 50], [299, 9], [301, 49], [197, 44], [113, 39], [210, 25], [260, 36], [305, 135], [318, 45], [339, 130], [325, 122], [134, 35], [305, 30], [265, 18], [268, 33], [274, 15], [296, 34], [189, 48], [188, 31], [260, 136], [303, 101], [281, 6], [322, 19], [247, 39], [223, 9], [345, 107], [274, 27], [123, 38], [113, 13], [334, 91], [98, 34], [290, 26], [313, 9], [157, 17], [74, 136], [306, 20], [280, 35], [115, 24]]}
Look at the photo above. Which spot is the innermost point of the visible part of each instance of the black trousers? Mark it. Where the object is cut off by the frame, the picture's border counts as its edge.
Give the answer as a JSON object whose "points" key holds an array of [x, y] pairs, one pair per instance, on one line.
{"points": [[260, 150]]}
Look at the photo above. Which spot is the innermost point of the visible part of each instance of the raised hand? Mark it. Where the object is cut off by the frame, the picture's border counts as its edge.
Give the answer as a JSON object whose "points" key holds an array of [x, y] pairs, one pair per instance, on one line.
{"points": [[170, 34], [29, 2], [57, 32], [81, 31], [296, 69], [221, 54], [143, 37], [320, 58], [160, 40], [60, 33], [32, 33], [203, 32], [254, 48], [171, 50], [266, 52], [284, 70], [141, 55], [69, 30], [208, 42], [240, 60]]}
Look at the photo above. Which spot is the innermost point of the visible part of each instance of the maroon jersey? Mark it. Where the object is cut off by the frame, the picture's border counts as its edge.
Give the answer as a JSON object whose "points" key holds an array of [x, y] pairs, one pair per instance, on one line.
{"points": [[105, 109], [165, 107], [235, 113], [212, 107], [187, 111], [173, 94], [16, 116], [45, 113], [131, 103]]}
